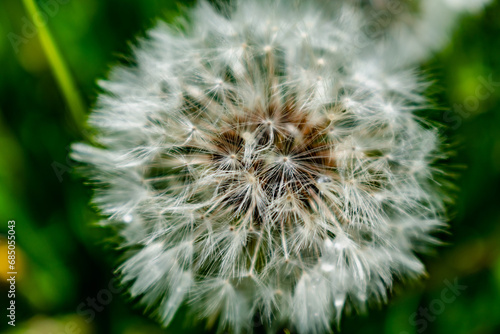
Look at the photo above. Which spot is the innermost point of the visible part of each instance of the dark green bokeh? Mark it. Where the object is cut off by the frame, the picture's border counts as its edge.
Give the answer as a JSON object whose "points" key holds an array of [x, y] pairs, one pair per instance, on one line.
{"points": [[64, 259]]}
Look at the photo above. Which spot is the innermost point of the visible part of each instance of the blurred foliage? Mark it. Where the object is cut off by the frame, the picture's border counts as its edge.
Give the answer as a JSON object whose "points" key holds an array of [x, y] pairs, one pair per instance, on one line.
{"points": [[64, 262]]}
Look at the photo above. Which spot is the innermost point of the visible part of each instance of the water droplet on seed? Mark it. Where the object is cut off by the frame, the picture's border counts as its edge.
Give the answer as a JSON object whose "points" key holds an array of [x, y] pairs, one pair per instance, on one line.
{"points": [[324, 179]]}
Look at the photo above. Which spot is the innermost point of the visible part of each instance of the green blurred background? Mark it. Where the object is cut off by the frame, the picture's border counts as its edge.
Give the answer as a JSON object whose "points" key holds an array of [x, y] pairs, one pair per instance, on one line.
{"points": [[63, 259]]}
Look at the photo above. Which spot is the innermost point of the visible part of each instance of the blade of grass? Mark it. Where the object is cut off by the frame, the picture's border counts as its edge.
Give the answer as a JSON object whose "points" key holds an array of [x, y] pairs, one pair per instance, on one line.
{"points": [[59, 68]]}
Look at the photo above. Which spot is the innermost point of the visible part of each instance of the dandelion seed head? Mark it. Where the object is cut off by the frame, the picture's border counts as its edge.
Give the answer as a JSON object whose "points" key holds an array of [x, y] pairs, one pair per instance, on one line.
{"points": [[254, 169]]}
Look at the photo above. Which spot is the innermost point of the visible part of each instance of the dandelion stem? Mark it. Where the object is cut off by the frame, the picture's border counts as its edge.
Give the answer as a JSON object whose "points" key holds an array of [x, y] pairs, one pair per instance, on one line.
{"points": [[59, 68]]}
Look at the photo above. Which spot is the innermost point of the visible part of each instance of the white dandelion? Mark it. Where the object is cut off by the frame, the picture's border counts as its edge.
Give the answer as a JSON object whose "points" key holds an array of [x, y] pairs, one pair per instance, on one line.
{"points": [[258, 164]]}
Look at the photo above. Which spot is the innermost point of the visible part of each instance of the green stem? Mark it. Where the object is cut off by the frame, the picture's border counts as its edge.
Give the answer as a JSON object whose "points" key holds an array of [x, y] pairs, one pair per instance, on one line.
{"points": [[59, 67]]}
